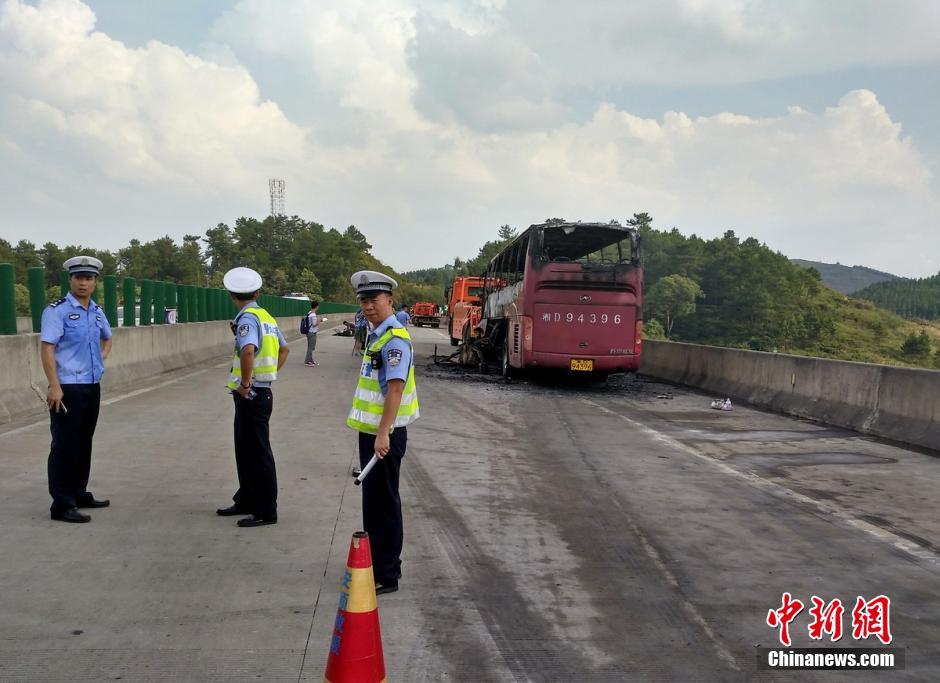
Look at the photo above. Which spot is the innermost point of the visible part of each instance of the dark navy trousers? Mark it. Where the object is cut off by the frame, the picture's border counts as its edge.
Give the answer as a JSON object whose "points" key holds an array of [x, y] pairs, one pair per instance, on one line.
{"points": [[381, 505], [254, 459], [70, 453]]}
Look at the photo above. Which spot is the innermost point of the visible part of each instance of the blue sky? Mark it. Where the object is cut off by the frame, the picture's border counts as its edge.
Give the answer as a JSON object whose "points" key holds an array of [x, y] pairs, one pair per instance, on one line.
{"points": [[814, 127]]}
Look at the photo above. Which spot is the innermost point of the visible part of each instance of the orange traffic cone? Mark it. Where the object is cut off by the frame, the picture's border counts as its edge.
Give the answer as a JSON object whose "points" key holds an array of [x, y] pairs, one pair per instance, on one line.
{"points": [[356, 647]]}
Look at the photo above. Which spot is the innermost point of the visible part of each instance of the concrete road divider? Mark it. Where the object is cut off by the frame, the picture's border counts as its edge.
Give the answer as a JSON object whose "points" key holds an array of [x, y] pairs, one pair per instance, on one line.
{"points": [[137, 353], [897, 403]]}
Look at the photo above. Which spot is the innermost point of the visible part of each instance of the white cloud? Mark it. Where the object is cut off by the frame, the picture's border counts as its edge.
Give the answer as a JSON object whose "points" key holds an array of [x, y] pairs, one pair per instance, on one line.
{"points": [[832, 185], [720, 41], [151, 117], [354, 53], [433, 124], [485, 80]]}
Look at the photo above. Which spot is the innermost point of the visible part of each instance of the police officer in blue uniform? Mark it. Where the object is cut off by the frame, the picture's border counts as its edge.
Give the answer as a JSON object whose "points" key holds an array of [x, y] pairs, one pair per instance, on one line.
{"points": [[404, 317], [251, 377], [76, 340], [381, 502]]}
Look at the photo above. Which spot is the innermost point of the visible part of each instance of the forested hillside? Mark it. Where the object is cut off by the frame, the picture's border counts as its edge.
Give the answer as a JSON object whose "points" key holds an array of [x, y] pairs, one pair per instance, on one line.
{"points": [[444, 275], [292, 255], [753, 297], [846, 279], [910, 298]]}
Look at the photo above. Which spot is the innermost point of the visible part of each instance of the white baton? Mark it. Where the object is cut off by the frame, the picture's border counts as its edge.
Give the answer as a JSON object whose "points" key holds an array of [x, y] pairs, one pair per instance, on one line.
{"points": [[366, 469]]}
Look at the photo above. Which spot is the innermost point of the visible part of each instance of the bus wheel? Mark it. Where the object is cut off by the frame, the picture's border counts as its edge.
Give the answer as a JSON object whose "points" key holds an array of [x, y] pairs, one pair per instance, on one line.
{"points": [[507, 369]]}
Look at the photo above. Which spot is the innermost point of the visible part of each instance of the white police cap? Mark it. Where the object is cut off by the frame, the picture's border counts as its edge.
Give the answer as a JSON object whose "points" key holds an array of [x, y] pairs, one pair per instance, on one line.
{"points": [[83, 264], [369, 282], [242, 280]]}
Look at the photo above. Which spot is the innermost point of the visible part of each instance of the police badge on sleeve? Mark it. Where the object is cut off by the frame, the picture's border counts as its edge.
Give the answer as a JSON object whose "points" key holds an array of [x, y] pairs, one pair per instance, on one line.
{"points": [[243, 330], [394, 357]]}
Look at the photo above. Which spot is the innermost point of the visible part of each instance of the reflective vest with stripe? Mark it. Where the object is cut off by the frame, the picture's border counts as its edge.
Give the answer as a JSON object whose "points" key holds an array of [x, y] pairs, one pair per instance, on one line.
{"points": [[265, 366], [368, 402]]}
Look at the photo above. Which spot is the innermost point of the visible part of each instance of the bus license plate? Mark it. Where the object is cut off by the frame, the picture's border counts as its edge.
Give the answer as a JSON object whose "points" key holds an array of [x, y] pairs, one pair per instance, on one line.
{"points": [[582, 365]]}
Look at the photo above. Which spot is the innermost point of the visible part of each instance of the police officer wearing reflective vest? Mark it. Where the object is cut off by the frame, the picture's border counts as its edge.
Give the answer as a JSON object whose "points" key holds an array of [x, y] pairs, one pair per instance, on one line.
{"points": [[385, 403], [76, 340], [260, 351]]}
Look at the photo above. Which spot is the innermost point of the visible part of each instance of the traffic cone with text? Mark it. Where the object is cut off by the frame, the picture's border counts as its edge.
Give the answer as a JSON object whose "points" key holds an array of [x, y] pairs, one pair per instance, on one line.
{"points": [[356, 647]]}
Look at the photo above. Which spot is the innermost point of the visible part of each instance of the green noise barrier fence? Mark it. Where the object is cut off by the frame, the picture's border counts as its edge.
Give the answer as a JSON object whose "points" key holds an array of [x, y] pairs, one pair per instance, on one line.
{"points": [[147, 305], [129, 288], [146, 301], [111, 300], [7, 300], [36, 283]]}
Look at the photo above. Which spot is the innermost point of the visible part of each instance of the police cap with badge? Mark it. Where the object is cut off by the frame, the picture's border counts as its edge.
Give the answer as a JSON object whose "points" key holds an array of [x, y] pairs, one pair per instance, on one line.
{"points": [[242, 280], [370, 283], [83, 265]]}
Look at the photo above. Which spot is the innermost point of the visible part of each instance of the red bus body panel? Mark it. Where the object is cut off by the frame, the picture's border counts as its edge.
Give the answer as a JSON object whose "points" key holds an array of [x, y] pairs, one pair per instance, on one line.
{"points": [[561, 312]]}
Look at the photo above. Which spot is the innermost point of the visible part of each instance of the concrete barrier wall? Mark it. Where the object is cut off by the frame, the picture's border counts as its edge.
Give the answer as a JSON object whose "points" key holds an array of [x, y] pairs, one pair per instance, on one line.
{"points": [[897, 403], [137, 353]]}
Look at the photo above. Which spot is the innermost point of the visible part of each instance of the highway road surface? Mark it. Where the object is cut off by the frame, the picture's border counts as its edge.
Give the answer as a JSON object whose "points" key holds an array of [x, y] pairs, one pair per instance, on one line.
{"points": [[554, 532]]}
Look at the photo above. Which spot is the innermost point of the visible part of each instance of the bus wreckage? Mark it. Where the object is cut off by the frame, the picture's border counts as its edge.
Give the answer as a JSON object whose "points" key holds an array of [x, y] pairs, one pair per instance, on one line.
{"points": [[564, 296]]}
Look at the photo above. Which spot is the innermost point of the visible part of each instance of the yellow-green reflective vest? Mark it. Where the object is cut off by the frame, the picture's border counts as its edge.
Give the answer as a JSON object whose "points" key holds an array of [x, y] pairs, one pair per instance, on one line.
{"points": [[368, 402], [265, 367]]}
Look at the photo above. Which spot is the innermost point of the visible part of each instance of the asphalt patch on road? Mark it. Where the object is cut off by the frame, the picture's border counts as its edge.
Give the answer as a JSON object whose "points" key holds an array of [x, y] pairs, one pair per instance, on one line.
{"points": [[776, 463]]}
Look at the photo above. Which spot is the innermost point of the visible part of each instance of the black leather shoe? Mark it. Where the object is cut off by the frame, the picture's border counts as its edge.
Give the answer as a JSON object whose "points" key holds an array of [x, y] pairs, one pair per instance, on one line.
{"points": [[230, 511], [71, 515], [255, 520], [389, 587], [93, 503]]}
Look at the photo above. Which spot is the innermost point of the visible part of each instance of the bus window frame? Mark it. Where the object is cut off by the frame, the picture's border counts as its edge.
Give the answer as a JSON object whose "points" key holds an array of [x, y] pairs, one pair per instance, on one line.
{"points": [[540, 258]]}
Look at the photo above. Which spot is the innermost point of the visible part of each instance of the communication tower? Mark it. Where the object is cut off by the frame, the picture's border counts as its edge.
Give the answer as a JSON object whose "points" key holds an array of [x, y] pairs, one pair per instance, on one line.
{"points": [[276, 189]]}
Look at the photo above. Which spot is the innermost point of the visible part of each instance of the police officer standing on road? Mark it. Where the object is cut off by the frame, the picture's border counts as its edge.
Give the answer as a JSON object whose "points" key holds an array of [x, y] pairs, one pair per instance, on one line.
{"points": [[76, 340], [260, 351], [404, 317], [385, 402]]}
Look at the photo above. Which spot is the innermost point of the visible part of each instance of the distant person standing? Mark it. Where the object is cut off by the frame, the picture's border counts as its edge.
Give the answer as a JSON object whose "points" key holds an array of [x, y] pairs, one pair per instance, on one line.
{"points": [[361, 331], [76, 341], [260, 351], [404, 317], [312, 330], [384, 404]]}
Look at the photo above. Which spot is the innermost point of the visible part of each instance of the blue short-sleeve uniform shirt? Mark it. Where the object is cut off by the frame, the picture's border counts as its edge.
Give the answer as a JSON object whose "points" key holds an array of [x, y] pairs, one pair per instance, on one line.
{"points": [[396, 354], [76, 333], [403, 317], [248, 331]]}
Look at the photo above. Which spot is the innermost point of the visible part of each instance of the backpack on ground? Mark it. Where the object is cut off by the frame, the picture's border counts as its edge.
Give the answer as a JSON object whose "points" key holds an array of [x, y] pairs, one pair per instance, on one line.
{"points": [[305, 324]]}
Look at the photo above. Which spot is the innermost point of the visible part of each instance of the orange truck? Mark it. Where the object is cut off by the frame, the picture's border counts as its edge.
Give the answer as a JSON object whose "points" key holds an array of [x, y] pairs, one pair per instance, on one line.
{"points": [[464, 306], [425, 313]]}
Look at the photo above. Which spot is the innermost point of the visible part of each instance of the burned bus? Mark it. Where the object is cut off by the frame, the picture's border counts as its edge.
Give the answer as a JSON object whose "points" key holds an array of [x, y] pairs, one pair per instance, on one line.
{"points": [[566, 296]]}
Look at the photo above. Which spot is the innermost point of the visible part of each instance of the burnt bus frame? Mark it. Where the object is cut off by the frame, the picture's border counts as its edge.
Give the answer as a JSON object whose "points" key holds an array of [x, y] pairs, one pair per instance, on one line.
{"points": [[495, 330]]}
